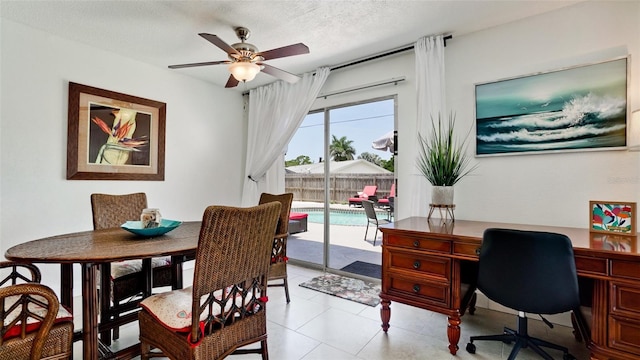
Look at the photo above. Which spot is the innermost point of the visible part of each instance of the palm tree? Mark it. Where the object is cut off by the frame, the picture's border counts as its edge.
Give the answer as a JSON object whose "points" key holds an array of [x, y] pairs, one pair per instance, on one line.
{"points": [[372, 158], [341, 149]]}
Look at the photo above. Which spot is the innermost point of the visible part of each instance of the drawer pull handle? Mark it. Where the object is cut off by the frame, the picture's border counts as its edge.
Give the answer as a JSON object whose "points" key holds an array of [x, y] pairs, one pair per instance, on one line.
{"points": [[478, 251], [416, 264], [416, 243], [416, 288]]}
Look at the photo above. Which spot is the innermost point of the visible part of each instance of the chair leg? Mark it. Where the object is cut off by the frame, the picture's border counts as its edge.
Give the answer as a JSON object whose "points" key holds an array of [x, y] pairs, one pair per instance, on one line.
{"points": [[286, 290], [520, 343], [580, 328], [375, 236], [144, 351], [506, 338], [522, 340], [366, 231], [577, 334], [536, 343], [472, 304], [116, 330], [265, 350]]}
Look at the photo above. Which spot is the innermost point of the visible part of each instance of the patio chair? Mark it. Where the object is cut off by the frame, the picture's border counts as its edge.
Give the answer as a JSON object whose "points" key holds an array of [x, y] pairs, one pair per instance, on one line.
{"points": [[278, 267], [384, 202], [297, 222], [123, 283], [34, 325], [372, 218], [225, 309], [369, 192]]}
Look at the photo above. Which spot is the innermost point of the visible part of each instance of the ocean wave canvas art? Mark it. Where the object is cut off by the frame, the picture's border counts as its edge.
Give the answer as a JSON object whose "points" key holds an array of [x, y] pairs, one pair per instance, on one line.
{"points": [[583, 107]]}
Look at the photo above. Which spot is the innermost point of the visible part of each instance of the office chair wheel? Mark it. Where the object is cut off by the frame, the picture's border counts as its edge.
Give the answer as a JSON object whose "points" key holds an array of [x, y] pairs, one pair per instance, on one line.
{"points": [[471, 349], [568, 356]]}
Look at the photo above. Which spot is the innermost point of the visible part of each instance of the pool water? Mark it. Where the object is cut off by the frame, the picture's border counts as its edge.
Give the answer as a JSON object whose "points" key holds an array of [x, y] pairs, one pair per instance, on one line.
{"points": [[339, 217]]}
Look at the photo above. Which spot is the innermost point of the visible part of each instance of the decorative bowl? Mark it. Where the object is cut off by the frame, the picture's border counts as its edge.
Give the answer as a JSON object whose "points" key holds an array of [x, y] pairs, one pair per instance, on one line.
{"points": [[165, 226]]}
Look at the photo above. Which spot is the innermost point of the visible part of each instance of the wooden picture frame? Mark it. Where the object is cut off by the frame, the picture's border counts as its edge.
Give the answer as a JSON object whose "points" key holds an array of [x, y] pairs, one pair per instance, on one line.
{"points": [[114, 136], [612, 217], [579, 108]]}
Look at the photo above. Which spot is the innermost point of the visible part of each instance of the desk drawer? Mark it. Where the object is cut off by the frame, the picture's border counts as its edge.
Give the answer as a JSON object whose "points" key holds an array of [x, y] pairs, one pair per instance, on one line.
{"points": [[427, 292], [590, 265], [624, 334], [419, 243], [625, 269], [466, 249], [437, 267], [625, 300]]}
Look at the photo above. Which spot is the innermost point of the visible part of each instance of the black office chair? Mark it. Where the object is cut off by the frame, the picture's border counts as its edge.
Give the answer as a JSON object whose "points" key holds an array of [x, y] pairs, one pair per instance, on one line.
{"points": [[531, 272]]}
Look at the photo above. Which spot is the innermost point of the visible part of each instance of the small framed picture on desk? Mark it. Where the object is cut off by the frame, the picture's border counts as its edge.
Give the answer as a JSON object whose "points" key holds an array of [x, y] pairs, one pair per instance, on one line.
{"points": [[612, 217]]}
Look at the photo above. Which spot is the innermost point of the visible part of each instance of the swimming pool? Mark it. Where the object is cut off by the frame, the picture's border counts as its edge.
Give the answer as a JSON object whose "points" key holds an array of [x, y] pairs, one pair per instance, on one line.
{"points": [[339, 217]]}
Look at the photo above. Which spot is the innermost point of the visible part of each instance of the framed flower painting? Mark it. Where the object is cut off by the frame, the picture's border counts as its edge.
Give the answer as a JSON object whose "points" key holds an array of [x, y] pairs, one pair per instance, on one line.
{"points": [[114, 136], [612, 217]]}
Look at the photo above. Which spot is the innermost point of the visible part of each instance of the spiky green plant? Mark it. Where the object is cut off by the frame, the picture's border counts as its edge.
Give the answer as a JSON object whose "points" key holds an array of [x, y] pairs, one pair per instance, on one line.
{"points": [[442, 159]]}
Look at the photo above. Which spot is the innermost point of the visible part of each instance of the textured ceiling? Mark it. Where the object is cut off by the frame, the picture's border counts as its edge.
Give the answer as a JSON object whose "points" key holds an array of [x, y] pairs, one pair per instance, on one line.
{"points": [[163, 33]]}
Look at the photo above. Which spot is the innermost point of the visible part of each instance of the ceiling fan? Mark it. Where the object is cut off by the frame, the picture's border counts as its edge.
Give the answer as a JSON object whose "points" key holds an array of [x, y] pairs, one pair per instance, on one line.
{"points": [[245, 61]]}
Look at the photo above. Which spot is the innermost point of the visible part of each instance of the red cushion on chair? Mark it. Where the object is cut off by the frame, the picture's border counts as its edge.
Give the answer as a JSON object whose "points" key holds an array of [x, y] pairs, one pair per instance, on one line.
{"points": [[297, 216], [32, 324]]}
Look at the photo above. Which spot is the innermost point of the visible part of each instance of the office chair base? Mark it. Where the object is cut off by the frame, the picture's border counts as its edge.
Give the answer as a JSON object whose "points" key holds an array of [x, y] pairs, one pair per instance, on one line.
{"points": [[522, 340]]}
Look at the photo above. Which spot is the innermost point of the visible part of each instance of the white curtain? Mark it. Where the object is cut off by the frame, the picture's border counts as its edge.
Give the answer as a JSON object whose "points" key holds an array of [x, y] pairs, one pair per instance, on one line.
{"points": [[430, 89], [275, 113]]}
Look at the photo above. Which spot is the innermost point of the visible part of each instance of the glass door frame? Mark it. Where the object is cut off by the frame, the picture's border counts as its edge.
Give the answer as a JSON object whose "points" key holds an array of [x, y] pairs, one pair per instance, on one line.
{"points": [[326, 236]]}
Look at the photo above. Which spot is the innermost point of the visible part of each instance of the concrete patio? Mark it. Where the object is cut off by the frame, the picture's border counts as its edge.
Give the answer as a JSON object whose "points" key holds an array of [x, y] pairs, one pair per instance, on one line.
{"points": [[347, 242]]}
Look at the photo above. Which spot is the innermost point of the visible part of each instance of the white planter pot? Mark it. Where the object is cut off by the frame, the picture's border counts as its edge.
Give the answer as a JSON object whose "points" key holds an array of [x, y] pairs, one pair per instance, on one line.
{"points": [[442, 195]]}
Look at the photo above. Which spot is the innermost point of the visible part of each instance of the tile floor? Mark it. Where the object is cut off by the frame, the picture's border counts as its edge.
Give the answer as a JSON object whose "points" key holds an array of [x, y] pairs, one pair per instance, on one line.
{"points": [[316, 326]]}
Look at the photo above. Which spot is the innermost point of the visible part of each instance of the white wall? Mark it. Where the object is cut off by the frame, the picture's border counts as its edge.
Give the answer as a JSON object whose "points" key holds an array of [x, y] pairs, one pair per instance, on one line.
{"points": [[546, 189], [205, 141], [551, 189], [206, 131]]}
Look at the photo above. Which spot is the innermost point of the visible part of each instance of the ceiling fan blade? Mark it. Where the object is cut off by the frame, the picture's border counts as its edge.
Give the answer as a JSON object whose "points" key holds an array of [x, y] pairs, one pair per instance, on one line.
{"points": [[232, 82], [199, 64], [279, 73], [291, 50], [219, 43]]}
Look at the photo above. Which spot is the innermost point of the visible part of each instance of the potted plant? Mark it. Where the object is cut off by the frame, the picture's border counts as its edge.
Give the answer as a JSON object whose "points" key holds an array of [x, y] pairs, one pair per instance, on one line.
{"points": [[443, 160]]}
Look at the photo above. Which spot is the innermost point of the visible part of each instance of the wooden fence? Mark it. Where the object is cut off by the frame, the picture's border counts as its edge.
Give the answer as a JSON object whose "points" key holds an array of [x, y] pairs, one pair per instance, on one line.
{"points": [[310, 187]]}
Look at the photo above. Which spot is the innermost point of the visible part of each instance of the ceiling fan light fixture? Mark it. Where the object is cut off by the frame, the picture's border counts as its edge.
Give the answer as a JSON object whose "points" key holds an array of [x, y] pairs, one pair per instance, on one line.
{"points": [[244, 71]]}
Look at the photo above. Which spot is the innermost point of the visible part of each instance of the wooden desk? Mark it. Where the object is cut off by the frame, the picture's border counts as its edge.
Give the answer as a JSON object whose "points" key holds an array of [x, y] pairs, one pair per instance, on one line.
{"points": [[90, 249], [422, 262]]}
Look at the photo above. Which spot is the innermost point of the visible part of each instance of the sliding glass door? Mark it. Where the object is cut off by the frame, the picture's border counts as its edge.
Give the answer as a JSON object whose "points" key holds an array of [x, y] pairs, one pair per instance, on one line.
{"points": [[335, 154]]}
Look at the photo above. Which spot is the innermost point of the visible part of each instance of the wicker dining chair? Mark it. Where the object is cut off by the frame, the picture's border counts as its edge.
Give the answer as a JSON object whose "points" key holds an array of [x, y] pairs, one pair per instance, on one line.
{"points": [[226, 305], [278, 267], [34, 325], [122, 283]]}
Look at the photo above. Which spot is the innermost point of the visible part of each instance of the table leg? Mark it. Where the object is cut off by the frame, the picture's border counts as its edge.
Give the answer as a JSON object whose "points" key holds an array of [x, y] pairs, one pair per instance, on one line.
{"points": [[453, 332], [147, 271], [385, 314], [176, 272], [89, 312], [66, 286]]}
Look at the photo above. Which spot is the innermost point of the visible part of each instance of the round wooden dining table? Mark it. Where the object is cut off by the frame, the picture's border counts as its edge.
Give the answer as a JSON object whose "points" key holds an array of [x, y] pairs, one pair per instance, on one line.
{"points": [[92, 248]]}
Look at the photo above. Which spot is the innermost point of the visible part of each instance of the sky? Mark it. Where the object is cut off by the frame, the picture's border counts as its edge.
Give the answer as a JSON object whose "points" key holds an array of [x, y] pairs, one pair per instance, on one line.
{"points": [[362, 123]]}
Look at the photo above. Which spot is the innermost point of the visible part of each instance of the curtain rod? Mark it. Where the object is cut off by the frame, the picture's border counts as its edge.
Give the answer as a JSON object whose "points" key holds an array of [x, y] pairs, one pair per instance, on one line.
{"points": [[393, 81], [384, 54], [377, 56]]}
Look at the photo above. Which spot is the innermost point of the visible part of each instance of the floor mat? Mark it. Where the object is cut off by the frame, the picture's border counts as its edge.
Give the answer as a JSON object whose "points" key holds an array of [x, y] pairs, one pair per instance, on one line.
{"points": [[364, 268], [347, 288]]}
